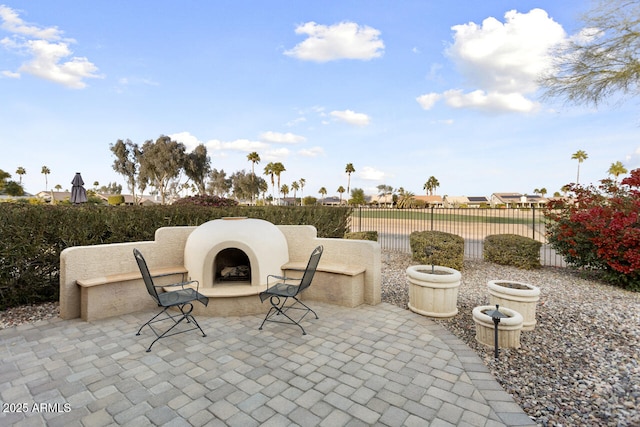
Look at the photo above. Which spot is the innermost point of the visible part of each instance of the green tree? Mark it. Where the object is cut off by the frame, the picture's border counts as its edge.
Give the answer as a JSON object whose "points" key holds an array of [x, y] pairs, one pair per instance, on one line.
{"points": [[580, 156], [323, 193], [21, 171], [219, 184], [45, 171], [126, 163], [160, 162], [616, 169], [246, 185], [357, 197], [13, 188], [405, 198], [349, 169], [197, 167], [604, 61]]}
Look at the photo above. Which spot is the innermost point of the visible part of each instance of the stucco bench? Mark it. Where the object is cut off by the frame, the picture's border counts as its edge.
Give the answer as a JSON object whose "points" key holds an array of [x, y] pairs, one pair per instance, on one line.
{"points": [[333, 283], [117, 294]]}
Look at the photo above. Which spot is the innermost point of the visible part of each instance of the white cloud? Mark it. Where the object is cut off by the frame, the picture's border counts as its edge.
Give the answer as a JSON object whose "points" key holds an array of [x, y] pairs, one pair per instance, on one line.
{"points": [[427, 101], [243, 145], [490, 101], [346, 40], [311, 152], [12, 23], [351, 117], [277, 154], [11, 74], [49, 59], [502, 61], [190, 141], [371, 174], [281, 138]]}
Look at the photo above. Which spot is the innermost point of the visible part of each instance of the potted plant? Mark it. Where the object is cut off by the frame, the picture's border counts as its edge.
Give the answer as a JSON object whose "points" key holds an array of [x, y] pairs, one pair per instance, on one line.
{"points": [[433, 289], [518, 296], [509, 327]]}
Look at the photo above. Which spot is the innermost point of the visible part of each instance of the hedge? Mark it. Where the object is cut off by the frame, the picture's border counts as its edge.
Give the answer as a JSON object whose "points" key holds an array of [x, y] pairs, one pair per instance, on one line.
{"points": [[33, 236]]}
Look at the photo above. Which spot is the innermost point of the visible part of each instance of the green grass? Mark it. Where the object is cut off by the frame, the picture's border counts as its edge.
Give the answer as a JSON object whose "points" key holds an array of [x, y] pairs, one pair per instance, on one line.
{"points": [[426, 215]]}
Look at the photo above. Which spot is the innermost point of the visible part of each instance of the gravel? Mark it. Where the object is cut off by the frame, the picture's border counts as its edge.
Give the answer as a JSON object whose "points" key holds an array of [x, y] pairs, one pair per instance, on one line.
{"points": [[580, 366]]}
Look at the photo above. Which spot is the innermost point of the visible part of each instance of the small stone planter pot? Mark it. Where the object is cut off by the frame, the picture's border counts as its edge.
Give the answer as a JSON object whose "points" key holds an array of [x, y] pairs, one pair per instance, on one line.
{"points": [[433, 290], [508, 329], [518, 296]]}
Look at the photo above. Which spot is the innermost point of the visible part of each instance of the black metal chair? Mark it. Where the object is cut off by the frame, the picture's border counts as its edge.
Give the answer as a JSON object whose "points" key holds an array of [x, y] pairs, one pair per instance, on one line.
{"points": [[279, 293], [182, 298]]}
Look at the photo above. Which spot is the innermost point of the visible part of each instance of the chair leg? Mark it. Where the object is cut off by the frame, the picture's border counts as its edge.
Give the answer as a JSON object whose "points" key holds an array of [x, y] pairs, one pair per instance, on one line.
{"points": [[278, 308], [186, 315]]}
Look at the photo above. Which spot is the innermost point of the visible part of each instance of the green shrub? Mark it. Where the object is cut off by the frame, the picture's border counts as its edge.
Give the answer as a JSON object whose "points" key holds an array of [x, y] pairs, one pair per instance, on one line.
{"points": [[115, 199], [362, 235], [437, 248], [33, 236], [511, 249]]}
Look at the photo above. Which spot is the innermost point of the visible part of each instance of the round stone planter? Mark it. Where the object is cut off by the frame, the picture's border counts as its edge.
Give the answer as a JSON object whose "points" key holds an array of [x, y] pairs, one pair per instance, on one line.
{"points": [[508, 329], [518, 296], [433, 294]]}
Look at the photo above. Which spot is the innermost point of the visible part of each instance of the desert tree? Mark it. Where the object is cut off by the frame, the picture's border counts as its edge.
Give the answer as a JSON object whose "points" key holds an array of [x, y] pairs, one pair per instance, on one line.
{"points": [[126, 163], [197, 166], [295, 186], [602, 60], [341, 190], [160, 162]]}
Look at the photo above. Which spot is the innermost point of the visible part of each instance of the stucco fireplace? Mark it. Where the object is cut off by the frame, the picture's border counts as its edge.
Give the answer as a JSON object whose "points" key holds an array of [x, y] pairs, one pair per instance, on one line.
{"points": [[235, 252]]}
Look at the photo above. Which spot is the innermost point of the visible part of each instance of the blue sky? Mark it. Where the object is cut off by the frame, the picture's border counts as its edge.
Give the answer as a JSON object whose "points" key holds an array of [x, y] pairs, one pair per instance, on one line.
{"points": [[402, 89]]}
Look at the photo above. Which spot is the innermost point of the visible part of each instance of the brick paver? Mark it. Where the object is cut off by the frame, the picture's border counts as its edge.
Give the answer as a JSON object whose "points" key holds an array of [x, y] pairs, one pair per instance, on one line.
{"points": [[368, 365]]}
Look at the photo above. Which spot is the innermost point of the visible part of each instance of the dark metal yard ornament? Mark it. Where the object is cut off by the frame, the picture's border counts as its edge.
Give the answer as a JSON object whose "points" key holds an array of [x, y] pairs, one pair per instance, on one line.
{"points": [[496, 315]]}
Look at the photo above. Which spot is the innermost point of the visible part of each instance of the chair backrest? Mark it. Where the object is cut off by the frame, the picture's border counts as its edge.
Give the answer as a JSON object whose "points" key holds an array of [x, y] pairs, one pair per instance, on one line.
{"points": [[309, 272], [146, 276]]}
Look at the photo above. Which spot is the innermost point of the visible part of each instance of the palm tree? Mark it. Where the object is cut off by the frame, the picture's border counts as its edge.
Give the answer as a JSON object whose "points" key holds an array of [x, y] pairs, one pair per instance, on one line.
{"points": [[295, 187], [580, 156], [616, 170], [349, 170], [431, 184], [323, 192], [284, 190], [341, 190], [45, 171], [268, 170], [302, 182], [254, 158], [21, 171], [278, 168], [404, 198]]}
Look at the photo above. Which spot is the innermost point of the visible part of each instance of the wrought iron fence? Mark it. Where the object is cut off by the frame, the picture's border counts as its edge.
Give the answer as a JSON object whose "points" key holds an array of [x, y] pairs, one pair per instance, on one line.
{"points": [[473, 224]]}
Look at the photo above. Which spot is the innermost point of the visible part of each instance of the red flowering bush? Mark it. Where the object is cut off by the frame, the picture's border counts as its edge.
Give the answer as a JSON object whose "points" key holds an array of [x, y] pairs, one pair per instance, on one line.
{"points": [[206, 200], [600, 229]]}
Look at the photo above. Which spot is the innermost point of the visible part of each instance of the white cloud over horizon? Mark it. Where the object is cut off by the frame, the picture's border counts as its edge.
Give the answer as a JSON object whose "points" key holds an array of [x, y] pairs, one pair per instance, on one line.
{"points": [[371, 174], [345, 40], [502, 61]]}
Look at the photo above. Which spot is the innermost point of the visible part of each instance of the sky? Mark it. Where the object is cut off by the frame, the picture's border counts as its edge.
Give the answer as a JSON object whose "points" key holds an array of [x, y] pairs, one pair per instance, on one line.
{"points": [[402, 89]]}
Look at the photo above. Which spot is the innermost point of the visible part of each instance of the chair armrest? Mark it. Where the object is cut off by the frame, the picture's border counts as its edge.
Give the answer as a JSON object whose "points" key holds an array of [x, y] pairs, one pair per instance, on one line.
{"points": [[284, 279], [181, 284]]}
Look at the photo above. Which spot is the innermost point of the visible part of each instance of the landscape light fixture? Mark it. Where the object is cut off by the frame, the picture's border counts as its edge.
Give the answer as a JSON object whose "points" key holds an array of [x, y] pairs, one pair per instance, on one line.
{"points": [[496, 315]]}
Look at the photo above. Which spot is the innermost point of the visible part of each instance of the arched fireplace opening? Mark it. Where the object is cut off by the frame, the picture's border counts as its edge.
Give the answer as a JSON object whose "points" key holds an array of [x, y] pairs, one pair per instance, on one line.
{"points": [[231, 265]]}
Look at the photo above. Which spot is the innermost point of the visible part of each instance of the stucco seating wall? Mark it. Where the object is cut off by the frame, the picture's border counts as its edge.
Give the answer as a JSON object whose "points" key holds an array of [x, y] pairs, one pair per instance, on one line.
{"points": [[101, 281]]}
